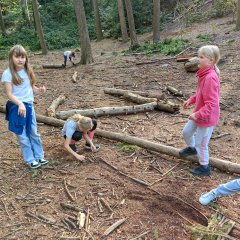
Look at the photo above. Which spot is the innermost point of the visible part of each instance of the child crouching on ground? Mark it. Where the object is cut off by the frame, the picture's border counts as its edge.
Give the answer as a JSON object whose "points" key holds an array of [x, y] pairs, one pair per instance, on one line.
{"points": [[74, 129]]}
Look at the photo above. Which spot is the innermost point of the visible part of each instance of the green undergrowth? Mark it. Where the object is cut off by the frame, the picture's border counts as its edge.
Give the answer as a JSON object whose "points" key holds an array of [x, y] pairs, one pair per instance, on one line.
{"points": [[128, 148], [169, 46]]}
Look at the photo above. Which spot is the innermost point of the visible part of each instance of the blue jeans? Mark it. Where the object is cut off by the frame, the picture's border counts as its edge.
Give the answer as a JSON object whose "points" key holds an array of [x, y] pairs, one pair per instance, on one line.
{"points": [[198, 137], [228, 188], [31, 146]]}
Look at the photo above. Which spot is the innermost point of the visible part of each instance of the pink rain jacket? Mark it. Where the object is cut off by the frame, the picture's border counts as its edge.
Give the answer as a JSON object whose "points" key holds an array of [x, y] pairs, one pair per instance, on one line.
{"points": [[206, 99]]}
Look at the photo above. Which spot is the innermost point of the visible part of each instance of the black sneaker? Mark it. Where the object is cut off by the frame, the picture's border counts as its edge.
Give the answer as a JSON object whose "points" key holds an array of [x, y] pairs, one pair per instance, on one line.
{"points": [[73, 147], [187, 151], [34, 164], [201, 171]]}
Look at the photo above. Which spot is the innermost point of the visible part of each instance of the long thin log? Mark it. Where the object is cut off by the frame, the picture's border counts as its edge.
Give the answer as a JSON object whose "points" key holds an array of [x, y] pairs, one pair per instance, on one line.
{"points": [[215, 162], [97, 112], [51, 111], [121, 92], [53, 66], [136, 98]]}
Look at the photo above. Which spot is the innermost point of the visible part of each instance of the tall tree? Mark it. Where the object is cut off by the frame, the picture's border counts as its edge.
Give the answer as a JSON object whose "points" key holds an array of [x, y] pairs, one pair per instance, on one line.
{"points": [[25, 11], [122, 21], [156, 21], [39, 29], [131, 23], [238, 16], [2, 24], [97, 20], [86, 51]]}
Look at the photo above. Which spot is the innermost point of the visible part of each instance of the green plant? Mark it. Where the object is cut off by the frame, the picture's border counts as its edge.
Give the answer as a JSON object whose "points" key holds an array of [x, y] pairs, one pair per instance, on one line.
{"points": [[204, 37], [128, 148], [34, 172], [168, 47]]}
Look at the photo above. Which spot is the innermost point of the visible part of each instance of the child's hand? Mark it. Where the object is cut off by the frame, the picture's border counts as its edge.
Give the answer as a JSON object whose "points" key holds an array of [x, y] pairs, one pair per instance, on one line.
{"points": [[42, 90], [93, 148], [22, 110], [80, 158], [186, 104], [192, 117]]}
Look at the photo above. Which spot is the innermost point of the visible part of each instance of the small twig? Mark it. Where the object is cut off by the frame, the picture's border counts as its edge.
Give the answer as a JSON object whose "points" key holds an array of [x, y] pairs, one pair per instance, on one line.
{"points": [[221, 135], [68, 193], [105, 203], [139, 236], [184, 218], [164, 174], [6, 209], [114, 226]]}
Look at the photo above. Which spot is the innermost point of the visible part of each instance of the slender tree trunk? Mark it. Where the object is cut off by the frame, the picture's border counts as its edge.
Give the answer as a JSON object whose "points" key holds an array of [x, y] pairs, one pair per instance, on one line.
{"points": [[122, 21], [86, 51], [25, 11], [2, 24], [39, 26], [156, 21], [238, 16], [131, 23], [97, 20]]}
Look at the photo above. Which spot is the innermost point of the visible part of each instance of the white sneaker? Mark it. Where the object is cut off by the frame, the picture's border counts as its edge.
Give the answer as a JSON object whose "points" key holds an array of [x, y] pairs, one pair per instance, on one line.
{"points": [[43, 161], [208, 197], [34, 164]]}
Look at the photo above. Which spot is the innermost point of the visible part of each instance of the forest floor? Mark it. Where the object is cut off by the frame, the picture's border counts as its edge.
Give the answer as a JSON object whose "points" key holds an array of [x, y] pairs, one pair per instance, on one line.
{"points": [[25, 193]]}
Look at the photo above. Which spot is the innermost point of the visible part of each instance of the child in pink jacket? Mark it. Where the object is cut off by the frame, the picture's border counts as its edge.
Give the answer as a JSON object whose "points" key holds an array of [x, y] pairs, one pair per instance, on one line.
{"points": [[198, 130]]}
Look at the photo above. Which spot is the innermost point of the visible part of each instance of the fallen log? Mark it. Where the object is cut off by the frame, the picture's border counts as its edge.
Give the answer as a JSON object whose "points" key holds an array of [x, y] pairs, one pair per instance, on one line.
{"points": [[157, 147], [51, 111], [215, 162], [136, 98], [53, 66], [174, 91], [191, 65], [97, 112], [74, 77], [121, 92]]}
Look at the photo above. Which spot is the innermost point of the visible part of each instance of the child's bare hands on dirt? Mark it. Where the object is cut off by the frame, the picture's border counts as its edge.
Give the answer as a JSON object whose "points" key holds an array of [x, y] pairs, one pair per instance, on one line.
{"points": [[186, 104], [93, 148], [81, 158]]}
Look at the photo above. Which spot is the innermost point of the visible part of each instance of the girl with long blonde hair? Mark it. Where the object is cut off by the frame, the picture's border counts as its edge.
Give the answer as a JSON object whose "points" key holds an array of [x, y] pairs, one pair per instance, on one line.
{"points": [[76, 128], [198, 130], [19, 80]]}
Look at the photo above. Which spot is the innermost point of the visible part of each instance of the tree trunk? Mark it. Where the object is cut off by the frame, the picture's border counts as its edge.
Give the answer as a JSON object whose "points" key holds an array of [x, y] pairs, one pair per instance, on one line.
{"points": [[238, 16], [131, 23], [138, 99], [157, 147], [122, 21], [25, 11], [51, 111], [39, 26], [2, 24], [105, 111], [86, 51], [97, 20], [156, 21]]}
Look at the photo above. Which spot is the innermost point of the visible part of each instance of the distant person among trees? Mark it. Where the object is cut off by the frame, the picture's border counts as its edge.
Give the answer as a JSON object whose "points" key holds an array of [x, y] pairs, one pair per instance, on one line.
{"points": [[20, 87], [198, 130], [222, 190], [69, 55], [74, 129]]}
